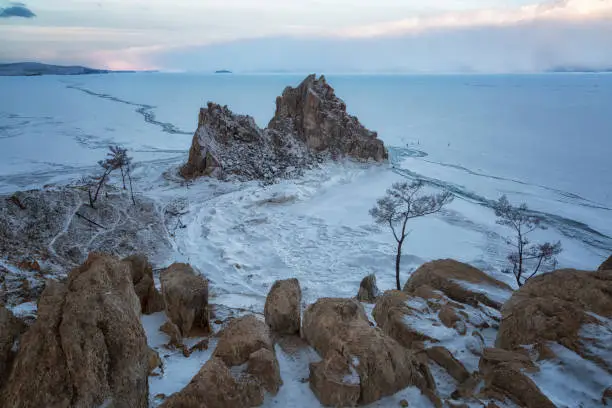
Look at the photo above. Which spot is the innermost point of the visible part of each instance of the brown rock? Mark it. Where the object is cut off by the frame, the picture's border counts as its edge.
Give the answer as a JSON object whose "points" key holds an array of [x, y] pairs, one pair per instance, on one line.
{"points": [[214, 386], [606, 397], [606, 265], [263, 365], [448, 316], [171, 330], [318, 118], [503, 372], [151, 301], [335, 382], [390, 314], [10, 330], [555, 307], [404, 403], [282, 308], [444, 358], [241, 338], [154, 361], [447, 276], [340, 331], [368, 291], [87, 345], [186, 297]]}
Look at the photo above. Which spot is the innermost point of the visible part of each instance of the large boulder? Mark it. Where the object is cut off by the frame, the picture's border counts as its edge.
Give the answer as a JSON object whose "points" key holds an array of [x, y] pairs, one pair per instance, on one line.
{"points": [[368, 291], [10, 329], [185, 294], [151, 301], [309, 120], [360, 362], [282, 309], [215, 386], [87, 347], [460, 282], [565, 306], [318, 117], [606, 265], [242, 368]]}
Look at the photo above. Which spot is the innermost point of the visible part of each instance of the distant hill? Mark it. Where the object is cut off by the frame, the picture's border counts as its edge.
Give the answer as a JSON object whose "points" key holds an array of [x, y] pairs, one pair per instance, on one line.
{"points": [[36, 68], [223, 71]]}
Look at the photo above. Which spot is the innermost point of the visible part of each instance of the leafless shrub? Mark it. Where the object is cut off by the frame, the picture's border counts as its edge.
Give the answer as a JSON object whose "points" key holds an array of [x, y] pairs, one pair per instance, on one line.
{"points": [[117, 159], [527, 258]]}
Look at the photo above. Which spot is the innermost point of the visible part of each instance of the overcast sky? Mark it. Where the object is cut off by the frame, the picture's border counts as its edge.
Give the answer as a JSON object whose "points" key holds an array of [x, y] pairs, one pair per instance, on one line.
{"points": [[309, 35]]}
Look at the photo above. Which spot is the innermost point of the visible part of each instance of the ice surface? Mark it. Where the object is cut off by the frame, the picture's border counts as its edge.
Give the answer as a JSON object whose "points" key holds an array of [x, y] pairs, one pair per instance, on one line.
{"points": [[547, 144]]}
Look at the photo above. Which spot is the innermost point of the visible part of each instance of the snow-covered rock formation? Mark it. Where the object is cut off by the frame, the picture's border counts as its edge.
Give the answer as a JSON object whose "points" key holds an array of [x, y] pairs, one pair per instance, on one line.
{"points": [[309, 120]]}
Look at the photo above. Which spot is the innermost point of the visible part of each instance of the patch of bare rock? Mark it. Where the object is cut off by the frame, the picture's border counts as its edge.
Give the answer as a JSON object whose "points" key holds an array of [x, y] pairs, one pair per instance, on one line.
{"points": [[310, 120]]}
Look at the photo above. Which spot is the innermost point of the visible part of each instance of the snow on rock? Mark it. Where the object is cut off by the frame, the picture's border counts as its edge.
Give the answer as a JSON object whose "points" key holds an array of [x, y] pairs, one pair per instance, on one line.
{"points": [[309, 120]]}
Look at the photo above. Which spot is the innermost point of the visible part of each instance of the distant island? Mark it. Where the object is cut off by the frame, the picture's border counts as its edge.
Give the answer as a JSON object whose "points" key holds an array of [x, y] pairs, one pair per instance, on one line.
{"points": [[223, 71], [36, 69], [579, 70]]}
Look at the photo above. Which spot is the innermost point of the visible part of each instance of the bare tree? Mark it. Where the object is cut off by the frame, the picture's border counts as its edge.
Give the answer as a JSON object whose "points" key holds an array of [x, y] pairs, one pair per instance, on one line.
{"points": [[117, 159], [526, 255], [403, 202]]}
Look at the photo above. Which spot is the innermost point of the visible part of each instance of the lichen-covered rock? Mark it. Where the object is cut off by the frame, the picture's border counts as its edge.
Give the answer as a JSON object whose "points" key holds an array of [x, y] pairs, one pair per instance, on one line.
{"points": [[368, 291], [87, 346], [318, 117], [186, 297], [357, 353], [151, 301], [10, 329], [282, 308], [564, 306], [460, 282], [309, 120]]}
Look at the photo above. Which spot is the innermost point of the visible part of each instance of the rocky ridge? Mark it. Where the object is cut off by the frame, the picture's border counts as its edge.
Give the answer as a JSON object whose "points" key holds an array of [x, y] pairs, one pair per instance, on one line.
{"points": [[310, 122]]}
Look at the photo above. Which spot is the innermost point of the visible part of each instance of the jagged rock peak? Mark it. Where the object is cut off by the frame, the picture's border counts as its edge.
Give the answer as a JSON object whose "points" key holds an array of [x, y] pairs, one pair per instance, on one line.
{"points": [[310, 120], [314, 113]]}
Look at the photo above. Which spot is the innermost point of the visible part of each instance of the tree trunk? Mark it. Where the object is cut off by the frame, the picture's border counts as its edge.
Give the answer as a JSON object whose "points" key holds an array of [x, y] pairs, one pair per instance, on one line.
{"points": [[398, 259]]}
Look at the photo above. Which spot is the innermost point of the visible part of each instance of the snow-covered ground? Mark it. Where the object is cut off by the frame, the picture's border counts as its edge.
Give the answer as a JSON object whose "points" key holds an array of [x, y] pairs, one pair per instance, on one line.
{"points": [[245, 236]]}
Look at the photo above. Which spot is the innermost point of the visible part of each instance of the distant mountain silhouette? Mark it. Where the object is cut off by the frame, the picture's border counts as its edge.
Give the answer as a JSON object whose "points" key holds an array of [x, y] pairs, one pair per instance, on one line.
{"points": [[223, 71], [579, 69], [36, 68]]}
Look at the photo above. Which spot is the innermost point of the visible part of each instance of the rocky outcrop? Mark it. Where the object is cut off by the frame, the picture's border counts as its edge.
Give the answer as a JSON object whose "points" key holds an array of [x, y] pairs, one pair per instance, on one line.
{"points": [[460, 282], [564, 306], [504, 376], [242, 368], [282, 309], [360, 363], [606, 265], [391, 312], [87, 347], [309, 120], [368, 291], [10, 329], [318, 117], [151, 301], [186, 297]]}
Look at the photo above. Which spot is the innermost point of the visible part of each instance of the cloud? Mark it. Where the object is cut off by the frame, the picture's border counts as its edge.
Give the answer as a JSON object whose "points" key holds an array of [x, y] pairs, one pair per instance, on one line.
{"points": [[557, 10], [16, 10]]}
